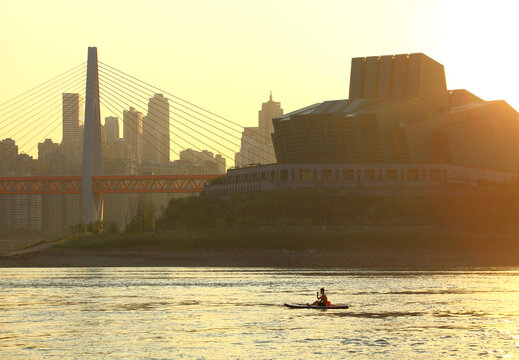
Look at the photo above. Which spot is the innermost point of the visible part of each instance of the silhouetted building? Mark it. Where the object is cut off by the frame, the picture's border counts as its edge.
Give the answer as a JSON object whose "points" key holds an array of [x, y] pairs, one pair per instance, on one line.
{"points": [[132, 131], [400, 111], [156, 130], [21, 212], [216, 162], [111, 129], [8, 157], [47, 154], [73, 114], [18, 211], [47, 148], [256, 143]]}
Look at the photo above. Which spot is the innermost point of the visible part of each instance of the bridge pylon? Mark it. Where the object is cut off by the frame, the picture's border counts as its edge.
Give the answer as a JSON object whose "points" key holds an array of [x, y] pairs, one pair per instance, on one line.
{"points": [[92, 205]]}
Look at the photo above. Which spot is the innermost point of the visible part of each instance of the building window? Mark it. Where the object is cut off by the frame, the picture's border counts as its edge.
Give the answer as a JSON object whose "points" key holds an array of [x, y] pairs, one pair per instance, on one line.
{"points": [[304, 175], [263, 175], [392, 175], [370, 174], [413, 175], [326, 175], [348, 174], [435, 174], [284, 175]]}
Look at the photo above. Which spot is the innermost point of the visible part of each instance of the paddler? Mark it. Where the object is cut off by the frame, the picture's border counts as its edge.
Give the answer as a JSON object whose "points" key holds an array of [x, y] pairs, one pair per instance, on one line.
{"points": [[322, 299]]}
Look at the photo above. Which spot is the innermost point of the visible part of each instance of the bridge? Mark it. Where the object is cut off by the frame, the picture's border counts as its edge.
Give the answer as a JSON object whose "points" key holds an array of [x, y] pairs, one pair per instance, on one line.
{"points": [[115, 184], [27, 117]]}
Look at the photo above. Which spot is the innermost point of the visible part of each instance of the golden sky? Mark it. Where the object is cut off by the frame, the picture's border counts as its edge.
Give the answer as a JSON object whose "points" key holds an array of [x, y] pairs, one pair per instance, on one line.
{"points": [[227, 55]]}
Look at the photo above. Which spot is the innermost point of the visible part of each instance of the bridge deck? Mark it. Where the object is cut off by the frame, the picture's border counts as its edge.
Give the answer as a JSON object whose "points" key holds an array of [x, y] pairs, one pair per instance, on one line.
{"points": [[116, 184]]}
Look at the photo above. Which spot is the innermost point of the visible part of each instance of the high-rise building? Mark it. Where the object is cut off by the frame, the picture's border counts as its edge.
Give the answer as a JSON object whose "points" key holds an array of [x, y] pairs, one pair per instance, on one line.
{"points": [[132, 132], [73, 114], [111, 129], [256, 142], [47, 154], [269, 110], [156, 130]]}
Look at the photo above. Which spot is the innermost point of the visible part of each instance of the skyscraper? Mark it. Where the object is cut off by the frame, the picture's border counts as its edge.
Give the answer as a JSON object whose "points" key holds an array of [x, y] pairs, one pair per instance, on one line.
{"points": [[112, 129], [156, 130], [256, 142], [73, 114], [132, 132], [269, 110]]}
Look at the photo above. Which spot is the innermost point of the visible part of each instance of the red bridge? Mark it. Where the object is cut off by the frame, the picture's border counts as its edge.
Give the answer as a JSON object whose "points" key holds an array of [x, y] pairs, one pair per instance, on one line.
{"points": [[105, 184]]}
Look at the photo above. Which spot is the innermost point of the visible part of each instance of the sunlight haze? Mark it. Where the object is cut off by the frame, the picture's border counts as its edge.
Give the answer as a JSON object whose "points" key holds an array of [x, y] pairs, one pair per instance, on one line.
{"points": [[227, 56]]}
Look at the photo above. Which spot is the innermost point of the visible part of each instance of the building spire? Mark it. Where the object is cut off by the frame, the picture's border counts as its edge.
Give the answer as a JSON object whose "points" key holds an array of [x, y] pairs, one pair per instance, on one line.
{"points": [[270, 95]]}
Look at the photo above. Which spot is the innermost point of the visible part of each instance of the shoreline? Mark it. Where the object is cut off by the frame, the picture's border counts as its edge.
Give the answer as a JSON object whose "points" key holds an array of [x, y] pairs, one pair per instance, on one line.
{"points": [[421, 249], [395, 260]]}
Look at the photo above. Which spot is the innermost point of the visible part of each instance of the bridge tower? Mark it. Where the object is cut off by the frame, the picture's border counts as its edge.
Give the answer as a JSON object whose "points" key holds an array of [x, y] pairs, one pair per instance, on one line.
{"points": [[92, 206]]}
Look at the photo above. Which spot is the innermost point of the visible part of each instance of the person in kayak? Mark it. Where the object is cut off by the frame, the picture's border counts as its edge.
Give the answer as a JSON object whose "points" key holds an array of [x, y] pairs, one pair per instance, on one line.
{"points": [[322, 300]]}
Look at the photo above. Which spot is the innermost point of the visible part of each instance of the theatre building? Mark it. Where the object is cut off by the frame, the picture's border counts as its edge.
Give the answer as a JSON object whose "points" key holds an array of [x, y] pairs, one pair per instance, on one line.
{"points": [[401, 128]]}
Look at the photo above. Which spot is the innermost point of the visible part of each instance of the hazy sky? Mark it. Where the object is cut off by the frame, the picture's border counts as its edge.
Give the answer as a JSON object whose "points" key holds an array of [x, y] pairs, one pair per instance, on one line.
{"points": [[227, 55]]}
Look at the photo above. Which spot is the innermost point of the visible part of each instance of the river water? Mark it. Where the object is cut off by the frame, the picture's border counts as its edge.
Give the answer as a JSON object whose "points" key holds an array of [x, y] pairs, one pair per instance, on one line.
{"points": [[235, 313]]}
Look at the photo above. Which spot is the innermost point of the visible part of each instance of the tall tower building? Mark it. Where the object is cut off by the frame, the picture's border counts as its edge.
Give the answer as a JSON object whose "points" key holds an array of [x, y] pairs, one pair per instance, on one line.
{"points": [[156, 130], [73, 114], [112, 129], [132, 132], [269, 110], [256, 143]]}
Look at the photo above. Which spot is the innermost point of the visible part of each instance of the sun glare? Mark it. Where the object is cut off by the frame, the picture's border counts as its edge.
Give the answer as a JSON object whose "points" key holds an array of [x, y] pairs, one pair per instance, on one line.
{"points": [[476, 42]]}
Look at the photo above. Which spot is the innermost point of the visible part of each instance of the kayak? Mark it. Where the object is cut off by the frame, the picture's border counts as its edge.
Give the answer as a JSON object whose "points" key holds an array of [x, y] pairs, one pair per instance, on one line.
{"points": [[304, 306]]}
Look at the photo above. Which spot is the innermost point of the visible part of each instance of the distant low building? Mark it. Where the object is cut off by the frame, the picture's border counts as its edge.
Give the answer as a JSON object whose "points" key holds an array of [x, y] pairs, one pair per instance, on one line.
{"points": [[216, 162], [363, 179]]}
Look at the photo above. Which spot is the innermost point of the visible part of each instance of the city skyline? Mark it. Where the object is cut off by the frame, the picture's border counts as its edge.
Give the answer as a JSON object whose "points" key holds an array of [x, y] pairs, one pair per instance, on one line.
{"points": [[146, 136], [231, 85]]}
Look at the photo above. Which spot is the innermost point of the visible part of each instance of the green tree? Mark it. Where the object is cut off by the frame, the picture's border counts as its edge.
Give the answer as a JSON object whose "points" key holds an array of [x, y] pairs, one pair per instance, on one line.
{"points": [[113, 227], [143, 218]]}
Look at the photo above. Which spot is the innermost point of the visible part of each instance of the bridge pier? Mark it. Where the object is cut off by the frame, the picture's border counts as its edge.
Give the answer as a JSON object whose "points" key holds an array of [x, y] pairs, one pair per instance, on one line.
{"points": [[92, 205]]}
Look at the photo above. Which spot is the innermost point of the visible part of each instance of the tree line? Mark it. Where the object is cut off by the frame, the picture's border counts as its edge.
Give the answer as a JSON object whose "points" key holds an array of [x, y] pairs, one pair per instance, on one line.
{"points": [[478, 210]]}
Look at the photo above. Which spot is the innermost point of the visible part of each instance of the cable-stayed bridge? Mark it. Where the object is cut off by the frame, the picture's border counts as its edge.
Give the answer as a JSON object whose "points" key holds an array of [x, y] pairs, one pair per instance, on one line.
{"points": [[34, 115]]}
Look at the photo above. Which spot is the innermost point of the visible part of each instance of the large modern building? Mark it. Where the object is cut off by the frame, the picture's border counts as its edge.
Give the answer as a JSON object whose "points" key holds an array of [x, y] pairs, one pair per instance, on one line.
{"points": [[156, 130], [73, 114], [400, 111], [256, 142], [400, 132]]}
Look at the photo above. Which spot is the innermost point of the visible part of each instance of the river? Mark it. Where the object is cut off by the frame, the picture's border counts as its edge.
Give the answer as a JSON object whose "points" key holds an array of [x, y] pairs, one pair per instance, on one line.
{"points": [[237, 313]]}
